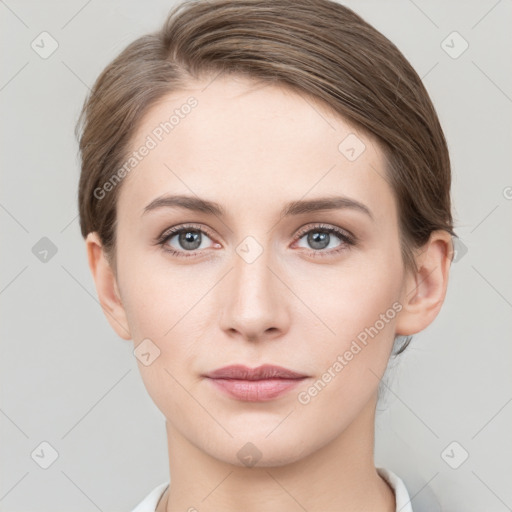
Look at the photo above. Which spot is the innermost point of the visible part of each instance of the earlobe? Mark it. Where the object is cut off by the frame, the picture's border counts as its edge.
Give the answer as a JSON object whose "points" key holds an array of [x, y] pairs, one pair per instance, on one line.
{"points": [[106, 286], [425, 290]]}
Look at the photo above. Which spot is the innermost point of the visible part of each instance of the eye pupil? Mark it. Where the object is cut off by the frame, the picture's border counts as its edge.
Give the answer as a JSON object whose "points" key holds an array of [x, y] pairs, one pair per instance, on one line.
{"points": [[317, 239], [190, 237]]}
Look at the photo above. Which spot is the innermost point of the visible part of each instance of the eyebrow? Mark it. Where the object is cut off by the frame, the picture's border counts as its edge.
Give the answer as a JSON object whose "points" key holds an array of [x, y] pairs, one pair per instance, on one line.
{"points": [[197, 204]]}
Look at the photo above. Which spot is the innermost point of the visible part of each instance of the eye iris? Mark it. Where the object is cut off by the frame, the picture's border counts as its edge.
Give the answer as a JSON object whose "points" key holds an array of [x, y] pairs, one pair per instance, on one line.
{"points": [[190, 237], [317, 239]]}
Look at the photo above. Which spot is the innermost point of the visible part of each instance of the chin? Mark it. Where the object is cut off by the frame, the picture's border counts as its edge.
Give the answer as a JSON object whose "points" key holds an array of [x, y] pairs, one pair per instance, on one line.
{"points": [[258, 450]]}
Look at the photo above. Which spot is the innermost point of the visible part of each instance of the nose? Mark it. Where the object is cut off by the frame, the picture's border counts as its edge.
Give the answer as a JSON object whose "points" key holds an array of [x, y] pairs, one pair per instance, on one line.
{"points": [[253, 300]]}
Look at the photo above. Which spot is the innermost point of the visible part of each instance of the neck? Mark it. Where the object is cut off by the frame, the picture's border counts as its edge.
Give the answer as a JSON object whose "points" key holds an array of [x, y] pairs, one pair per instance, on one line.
{"points": [[340, 476]]}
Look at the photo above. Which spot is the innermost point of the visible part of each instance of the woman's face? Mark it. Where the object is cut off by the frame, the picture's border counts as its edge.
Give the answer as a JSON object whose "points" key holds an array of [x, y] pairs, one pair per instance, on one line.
{"points": [[252, 286]]}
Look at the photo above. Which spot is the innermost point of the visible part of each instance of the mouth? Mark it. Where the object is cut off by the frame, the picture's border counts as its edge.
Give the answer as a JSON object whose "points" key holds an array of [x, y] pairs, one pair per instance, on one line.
{"points": [[260, 384]]}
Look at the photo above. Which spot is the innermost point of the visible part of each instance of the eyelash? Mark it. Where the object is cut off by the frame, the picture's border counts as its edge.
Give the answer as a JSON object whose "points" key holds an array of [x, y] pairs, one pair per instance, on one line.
{"points": [[347, 239]]}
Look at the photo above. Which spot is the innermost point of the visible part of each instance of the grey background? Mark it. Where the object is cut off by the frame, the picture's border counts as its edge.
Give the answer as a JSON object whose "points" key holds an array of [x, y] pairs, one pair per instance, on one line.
{"points": [[67, 380]]}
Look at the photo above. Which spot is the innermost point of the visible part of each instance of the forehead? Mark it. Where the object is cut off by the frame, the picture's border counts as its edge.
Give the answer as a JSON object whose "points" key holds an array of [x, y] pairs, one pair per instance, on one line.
{"points": [[235, 141]]}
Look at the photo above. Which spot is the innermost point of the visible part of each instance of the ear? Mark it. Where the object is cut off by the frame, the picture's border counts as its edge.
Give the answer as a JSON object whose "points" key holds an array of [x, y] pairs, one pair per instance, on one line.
{"points": [[106, 286], [424, 291]]}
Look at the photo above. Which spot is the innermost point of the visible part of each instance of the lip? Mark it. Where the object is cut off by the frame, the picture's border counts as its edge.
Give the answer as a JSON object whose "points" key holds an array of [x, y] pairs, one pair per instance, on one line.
{"points": [[265, 371], [260, 384]]}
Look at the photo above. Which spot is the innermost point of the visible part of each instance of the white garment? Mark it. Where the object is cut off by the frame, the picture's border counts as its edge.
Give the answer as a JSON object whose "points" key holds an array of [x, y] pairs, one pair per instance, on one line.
{"points": [[403, 502]]}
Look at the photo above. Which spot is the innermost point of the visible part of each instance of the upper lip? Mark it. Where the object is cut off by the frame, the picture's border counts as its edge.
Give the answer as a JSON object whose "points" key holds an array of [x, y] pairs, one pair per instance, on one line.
{"points": [[266, 371]]}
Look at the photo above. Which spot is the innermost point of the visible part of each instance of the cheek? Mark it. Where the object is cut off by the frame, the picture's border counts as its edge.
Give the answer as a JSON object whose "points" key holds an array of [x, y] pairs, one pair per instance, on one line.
{"points": [[361, 309], [165, 304], [157, 295], [159, 309], [353, 297], [358, 306]]}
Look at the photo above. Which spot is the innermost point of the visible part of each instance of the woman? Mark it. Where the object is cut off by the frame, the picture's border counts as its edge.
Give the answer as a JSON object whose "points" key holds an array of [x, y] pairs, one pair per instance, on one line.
{"points": [[265, 198]]}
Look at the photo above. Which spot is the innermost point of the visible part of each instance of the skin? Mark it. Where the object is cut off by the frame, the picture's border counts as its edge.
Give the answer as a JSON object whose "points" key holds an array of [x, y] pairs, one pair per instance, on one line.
{"points": [[253, 148]]}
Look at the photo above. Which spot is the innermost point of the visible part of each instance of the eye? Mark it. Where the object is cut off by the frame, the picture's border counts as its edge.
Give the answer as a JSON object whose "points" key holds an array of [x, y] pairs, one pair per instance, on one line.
{"points": [[182, 240], [319, 237], [188, 241]]}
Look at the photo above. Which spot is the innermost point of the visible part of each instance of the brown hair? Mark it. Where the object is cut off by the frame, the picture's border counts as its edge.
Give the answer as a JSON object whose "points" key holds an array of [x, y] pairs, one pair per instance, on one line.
{"points": [[317, 48]]}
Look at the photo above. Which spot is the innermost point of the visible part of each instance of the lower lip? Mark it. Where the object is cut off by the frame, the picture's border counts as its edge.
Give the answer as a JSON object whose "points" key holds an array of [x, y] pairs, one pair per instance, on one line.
{"points": [[255, 390]]}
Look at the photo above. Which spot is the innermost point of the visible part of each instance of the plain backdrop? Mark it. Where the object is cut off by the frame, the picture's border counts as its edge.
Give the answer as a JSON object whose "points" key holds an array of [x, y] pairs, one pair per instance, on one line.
{"points": [[71, 395]]}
